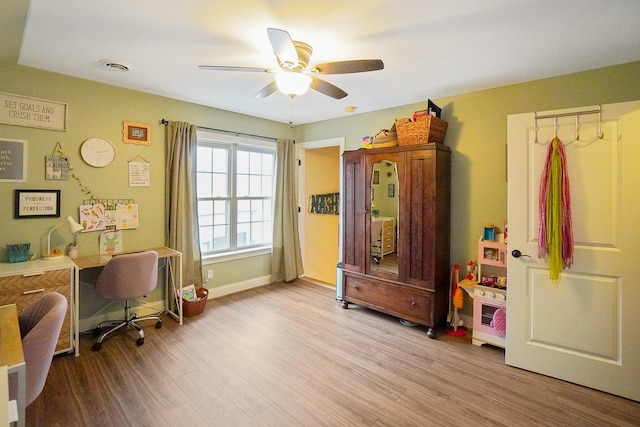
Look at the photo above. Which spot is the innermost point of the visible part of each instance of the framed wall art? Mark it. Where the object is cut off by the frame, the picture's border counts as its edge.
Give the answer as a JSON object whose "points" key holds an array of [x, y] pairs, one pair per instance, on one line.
{"points": [[326, 204], [136, 133], [36, 203], [56, 166], [38, 113], [13, 160]]}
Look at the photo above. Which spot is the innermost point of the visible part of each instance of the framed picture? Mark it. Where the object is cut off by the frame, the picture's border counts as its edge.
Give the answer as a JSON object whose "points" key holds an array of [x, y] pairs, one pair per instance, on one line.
{"points": [[13, 160], [136, 133], [18, 110], [36, 203], [433, 108]]}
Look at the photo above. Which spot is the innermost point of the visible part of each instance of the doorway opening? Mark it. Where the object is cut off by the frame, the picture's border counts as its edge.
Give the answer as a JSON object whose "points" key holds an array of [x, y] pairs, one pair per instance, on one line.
{"points": [[320, 174]]}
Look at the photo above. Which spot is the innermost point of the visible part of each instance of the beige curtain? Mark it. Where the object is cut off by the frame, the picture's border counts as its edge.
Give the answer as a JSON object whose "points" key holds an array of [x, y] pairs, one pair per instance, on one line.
{"points": [[181, 199], [286, 260]]}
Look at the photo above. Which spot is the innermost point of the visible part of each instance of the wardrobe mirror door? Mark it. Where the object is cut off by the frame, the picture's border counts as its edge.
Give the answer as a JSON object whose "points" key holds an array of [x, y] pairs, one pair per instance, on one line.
{"points": [[384, 218]]}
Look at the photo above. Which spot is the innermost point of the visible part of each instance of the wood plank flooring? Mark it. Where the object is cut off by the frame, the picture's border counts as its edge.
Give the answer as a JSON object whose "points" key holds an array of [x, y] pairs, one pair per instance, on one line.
{"points": [[289, 355]]}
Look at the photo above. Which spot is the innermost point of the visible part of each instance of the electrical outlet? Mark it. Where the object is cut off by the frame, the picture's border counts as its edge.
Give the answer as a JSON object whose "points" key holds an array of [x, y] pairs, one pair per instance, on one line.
{"points": [[209, 275]]}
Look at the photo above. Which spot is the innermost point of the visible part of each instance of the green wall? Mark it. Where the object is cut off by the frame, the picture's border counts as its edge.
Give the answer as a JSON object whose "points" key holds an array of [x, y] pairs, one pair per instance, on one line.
{"points": [[477, 134], [99, 110]]}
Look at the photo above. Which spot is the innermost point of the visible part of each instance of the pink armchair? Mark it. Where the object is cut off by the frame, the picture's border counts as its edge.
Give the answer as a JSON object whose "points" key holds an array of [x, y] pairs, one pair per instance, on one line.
{"points": [[40, 326]]}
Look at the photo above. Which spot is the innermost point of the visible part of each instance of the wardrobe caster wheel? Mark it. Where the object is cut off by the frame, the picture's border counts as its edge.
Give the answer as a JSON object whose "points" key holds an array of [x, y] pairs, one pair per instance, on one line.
{"points": [[159, 324], [96, 346], [431, 333], [140, 341], [345, 305]]}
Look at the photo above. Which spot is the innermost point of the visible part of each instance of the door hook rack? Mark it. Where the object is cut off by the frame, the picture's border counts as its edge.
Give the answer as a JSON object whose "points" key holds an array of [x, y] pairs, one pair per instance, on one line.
{"points": [[575, 114]]}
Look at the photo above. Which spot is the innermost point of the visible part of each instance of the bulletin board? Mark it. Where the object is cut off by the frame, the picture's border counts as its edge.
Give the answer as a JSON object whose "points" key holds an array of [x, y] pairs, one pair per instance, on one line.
{"points": [[108, 214]]}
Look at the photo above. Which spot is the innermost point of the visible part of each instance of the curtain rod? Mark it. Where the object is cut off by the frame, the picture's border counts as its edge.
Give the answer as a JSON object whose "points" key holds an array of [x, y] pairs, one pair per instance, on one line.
{"points": [[166, 122]]}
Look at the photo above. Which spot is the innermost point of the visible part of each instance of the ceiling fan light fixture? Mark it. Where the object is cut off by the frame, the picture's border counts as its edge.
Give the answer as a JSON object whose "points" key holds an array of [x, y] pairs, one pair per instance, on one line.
{"points": [[293, 83]]}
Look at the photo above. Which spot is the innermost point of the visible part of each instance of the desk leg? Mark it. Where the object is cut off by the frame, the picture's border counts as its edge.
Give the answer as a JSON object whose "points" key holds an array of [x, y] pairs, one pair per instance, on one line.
{"points": [[20, 371], [171, 287], [180, 312], [75, 312]]}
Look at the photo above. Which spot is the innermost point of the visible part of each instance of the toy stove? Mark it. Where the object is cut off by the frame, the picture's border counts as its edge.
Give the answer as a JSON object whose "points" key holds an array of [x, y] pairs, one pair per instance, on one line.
{"points": [[489, 314], [490, 291]]}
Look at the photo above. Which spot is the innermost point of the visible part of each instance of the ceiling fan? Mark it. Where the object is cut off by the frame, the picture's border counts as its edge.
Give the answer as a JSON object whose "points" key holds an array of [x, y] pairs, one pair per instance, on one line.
{"points": [[295, 75]]}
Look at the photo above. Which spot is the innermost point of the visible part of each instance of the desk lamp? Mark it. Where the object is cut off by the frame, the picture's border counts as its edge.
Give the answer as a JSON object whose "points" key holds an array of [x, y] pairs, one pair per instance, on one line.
{"points": [[74, 227]]}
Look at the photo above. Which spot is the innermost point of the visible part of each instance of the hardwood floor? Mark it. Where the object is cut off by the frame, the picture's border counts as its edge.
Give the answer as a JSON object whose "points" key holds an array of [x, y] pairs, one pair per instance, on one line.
{"points": [[289, 355], [388, 263]]}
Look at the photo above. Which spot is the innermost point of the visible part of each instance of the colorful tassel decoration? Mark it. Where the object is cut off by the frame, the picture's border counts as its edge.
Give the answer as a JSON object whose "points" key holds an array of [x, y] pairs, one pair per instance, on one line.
{"points": [[555, 232]]}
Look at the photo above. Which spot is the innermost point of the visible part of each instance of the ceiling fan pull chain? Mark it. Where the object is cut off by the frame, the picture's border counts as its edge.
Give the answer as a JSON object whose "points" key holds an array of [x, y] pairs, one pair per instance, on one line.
{"points": [[291, 119]]}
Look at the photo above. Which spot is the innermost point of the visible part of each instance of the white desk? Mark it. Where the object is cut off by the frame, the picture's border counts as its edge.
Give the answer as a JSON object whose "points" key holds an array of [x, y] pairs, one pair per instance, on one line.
{"points": [[12, 356], [172, 279]]}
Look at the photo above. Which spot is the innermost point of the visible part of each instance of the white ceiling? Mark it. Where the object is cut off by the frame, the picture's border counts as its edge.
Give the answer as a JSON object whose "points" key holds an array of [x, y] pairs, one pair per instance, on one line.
{"points": [[430, 48]]}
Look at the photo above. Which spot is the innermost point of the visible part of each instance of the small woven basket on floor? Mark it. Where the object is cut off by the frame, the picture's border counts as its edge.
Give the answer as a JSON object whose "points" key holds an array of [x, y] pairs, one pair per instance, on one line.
{"points": [[195, 307]]}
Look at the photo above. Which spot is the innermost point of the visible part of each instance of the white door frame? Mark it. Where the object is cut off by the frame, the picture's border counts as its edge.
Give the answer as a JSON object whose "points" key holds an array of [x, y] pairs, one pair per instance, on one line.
{"points": [[301, 148]]}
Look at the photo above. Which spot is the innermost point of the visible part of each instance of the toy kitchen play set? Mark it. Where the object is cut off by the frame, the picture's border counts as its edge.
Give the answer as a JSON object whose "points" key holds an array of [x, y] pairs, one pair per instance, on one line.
{"points": [[486, 283]]}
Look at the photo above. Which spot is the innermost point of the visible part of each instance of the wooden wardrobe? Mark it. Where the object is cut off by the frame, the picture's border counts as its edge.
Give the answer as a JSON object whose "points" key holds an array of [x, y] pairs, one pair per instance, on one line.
{"points": [[417, 290]]}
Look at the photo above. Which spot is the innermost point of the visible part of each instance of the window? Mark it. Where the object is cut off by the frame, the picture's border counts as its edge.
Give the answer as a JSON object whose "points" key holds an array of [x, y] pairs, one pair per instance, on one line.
{"points": [[235, 185]]}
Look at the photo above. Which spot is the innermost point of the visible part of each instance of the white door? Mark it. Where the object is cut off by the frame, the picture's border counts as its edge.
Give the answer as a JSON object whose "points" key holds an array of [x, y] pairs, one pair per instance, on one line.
{"points": [[583, 329]]}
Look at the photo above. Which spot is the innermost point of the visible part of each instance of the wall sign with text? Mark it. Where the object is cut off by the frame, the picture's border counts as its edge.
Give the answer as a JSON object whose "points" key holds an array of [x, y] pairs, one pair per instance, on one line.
{"points": [[13, 160], [32, 112], [136, 133], [36, 203]]}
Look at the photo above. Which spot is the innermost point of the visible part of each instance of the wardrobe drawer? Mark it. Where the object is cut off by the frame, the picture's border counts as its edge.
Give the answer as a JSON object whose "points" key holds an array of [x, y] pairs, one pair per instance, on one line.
{"points": [[391, 298]]}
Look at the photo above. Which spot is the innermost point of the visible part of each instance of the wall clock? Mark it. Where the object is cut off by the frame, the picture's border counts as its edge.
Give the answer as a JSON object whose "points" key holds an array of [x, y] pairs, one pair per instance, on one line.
{"points": [[97, 152]]}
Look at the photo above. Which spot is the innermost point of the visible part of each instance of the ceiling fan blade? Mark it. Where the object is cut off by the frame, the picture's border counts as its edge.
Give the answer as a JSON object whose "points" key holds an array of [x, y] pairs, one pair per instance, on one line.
{"points": [[267, 90], [231, 68], [347, 67], [327, 88], [283, 47]]}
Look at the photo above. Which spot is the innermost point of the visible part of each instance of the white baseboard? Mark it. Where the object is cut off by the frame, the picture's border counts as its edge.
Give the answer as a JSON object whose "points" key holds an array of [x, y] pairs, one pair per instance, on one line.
{"points": [[90, 323], [116, 311], [233, 288], [266, 280]]}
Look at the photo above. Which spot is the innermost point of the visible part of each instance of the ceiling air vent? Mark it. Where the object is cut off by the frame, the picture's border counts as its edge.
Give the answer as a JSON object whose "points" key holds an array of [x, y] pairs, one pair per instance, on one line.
{"points": [[115, 65]]}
